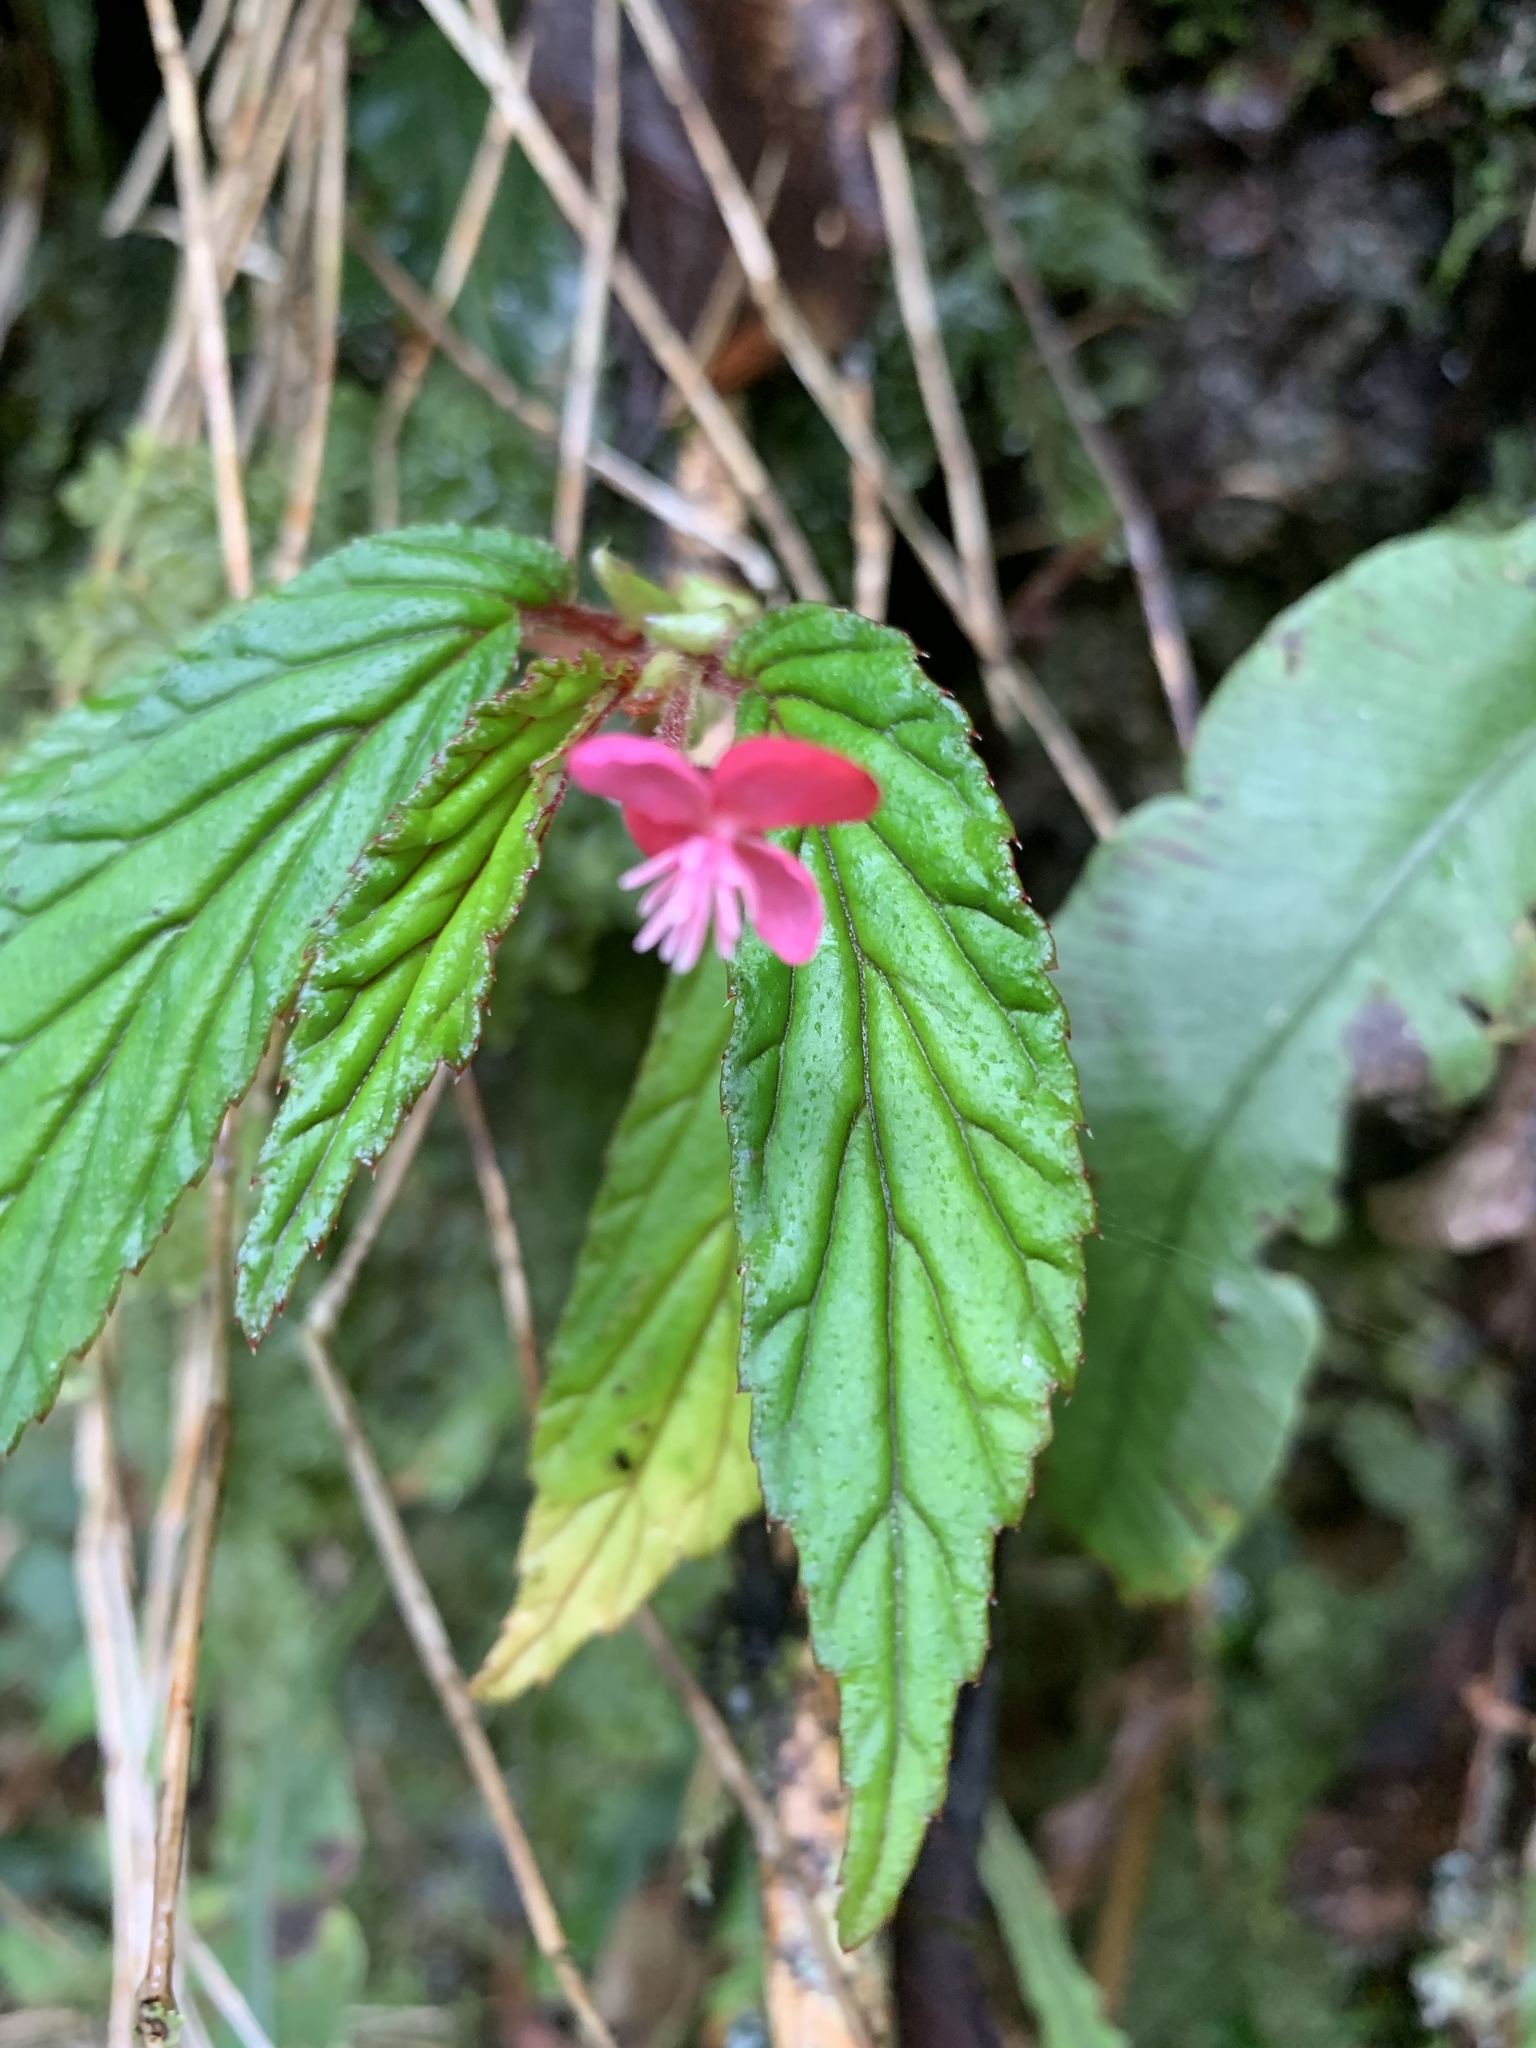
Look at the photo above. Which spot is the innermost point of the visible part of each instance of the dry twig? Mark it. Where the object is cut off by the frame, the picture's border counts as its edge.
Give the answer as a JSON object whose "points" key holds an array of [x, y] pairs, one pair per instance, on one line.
{"points": [[205, 294], [329, 232], [459, 251], [412, 1596], [713, 327], [596, 275], [1006, 680], [157, 1996], [488, 60], [243, 186], [103, 1576], [142, 173], [1015, 696], [511, 1277], [1144, 545], [872, 537], [189, 1427], [773, 1846], [224, 1994], [617, 471]]}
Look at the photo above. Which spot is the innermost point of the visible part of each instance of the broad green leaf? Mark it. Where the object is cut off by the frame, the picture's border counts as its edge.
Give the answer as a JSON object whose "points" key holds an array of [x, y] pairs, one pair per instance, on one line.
{"points": [[1323, 912], [640, 1455], [1063, 1996], [32, 777], [403, 967], [160, 906], [910, 1199]]}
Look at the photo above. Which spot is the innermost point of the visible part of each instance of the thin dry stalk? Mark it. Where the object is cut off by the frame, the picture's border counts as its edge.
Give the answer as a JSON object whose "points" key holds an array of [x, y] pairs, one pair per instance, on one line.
{"points": [[234, 105], [506, 1247], [920, 317], [142, 174], [596, 277], [234, 62], [329, 235], [224, 1994], [872, 534], [157, 1994], [670, 506], [1143, 541], [1114, 1938], [459, 251], [240, 193], [205, 295], [713, 328], [1012, 690], [21, 215], [1015, 696], [276, 306], [103, 1575], [412, 1596], [773, 1846], [189, 1427], [490, 65]]}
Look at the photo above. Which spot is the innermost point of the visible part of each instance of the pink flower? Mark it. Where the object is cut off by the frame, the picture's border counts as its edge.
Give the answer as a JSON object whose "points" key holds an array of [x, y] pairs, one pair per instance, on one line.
{"points": [[702, 830]]}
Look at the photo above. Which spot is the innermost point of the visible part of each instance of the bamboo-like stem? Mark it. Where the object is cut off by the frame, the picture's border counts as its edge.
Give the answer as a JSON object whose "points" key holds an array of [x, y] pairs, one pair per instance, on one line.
{"points": [[596, 277], [417, 1608], [490, 64], [459, 250], [627, 478], [1143, 541], [157, 1996], [506, 1246], [329, 235], [143, 169], [205, 294], [773, 1846], [1014, 694]]}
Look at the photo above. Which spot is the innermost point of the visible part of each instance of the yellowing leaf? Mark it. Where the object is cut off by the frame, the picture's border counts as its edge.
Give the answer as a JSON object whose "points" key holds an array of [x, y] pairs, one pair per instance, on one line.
{"points": [[640, 1455]]}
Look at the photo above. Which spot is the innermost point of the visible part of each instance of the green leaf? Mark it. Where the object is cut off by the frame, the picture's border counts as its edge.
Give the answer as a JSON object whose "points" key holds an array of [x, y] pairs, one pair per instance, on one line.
{"points": [[160, 906], [32, 777], [1320, 915], [640, 1455], [1063, 1996], [910, 1200], [403, 968]]}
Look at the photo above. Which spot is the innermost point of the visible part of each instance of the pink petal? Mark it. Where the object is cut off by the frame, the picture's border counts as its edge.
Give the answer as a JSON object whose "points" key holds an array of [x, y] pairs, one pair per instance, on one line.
{"points": [[643, 775], [764, 783], [783, 900], [654, 835]]}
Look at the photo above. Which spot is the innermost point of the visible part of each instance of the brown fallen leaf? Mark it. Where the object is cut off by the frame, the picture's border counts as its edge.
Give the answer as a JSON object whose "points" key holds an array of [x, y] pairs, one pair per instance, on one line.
{"points": [[1480, 1193]]}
